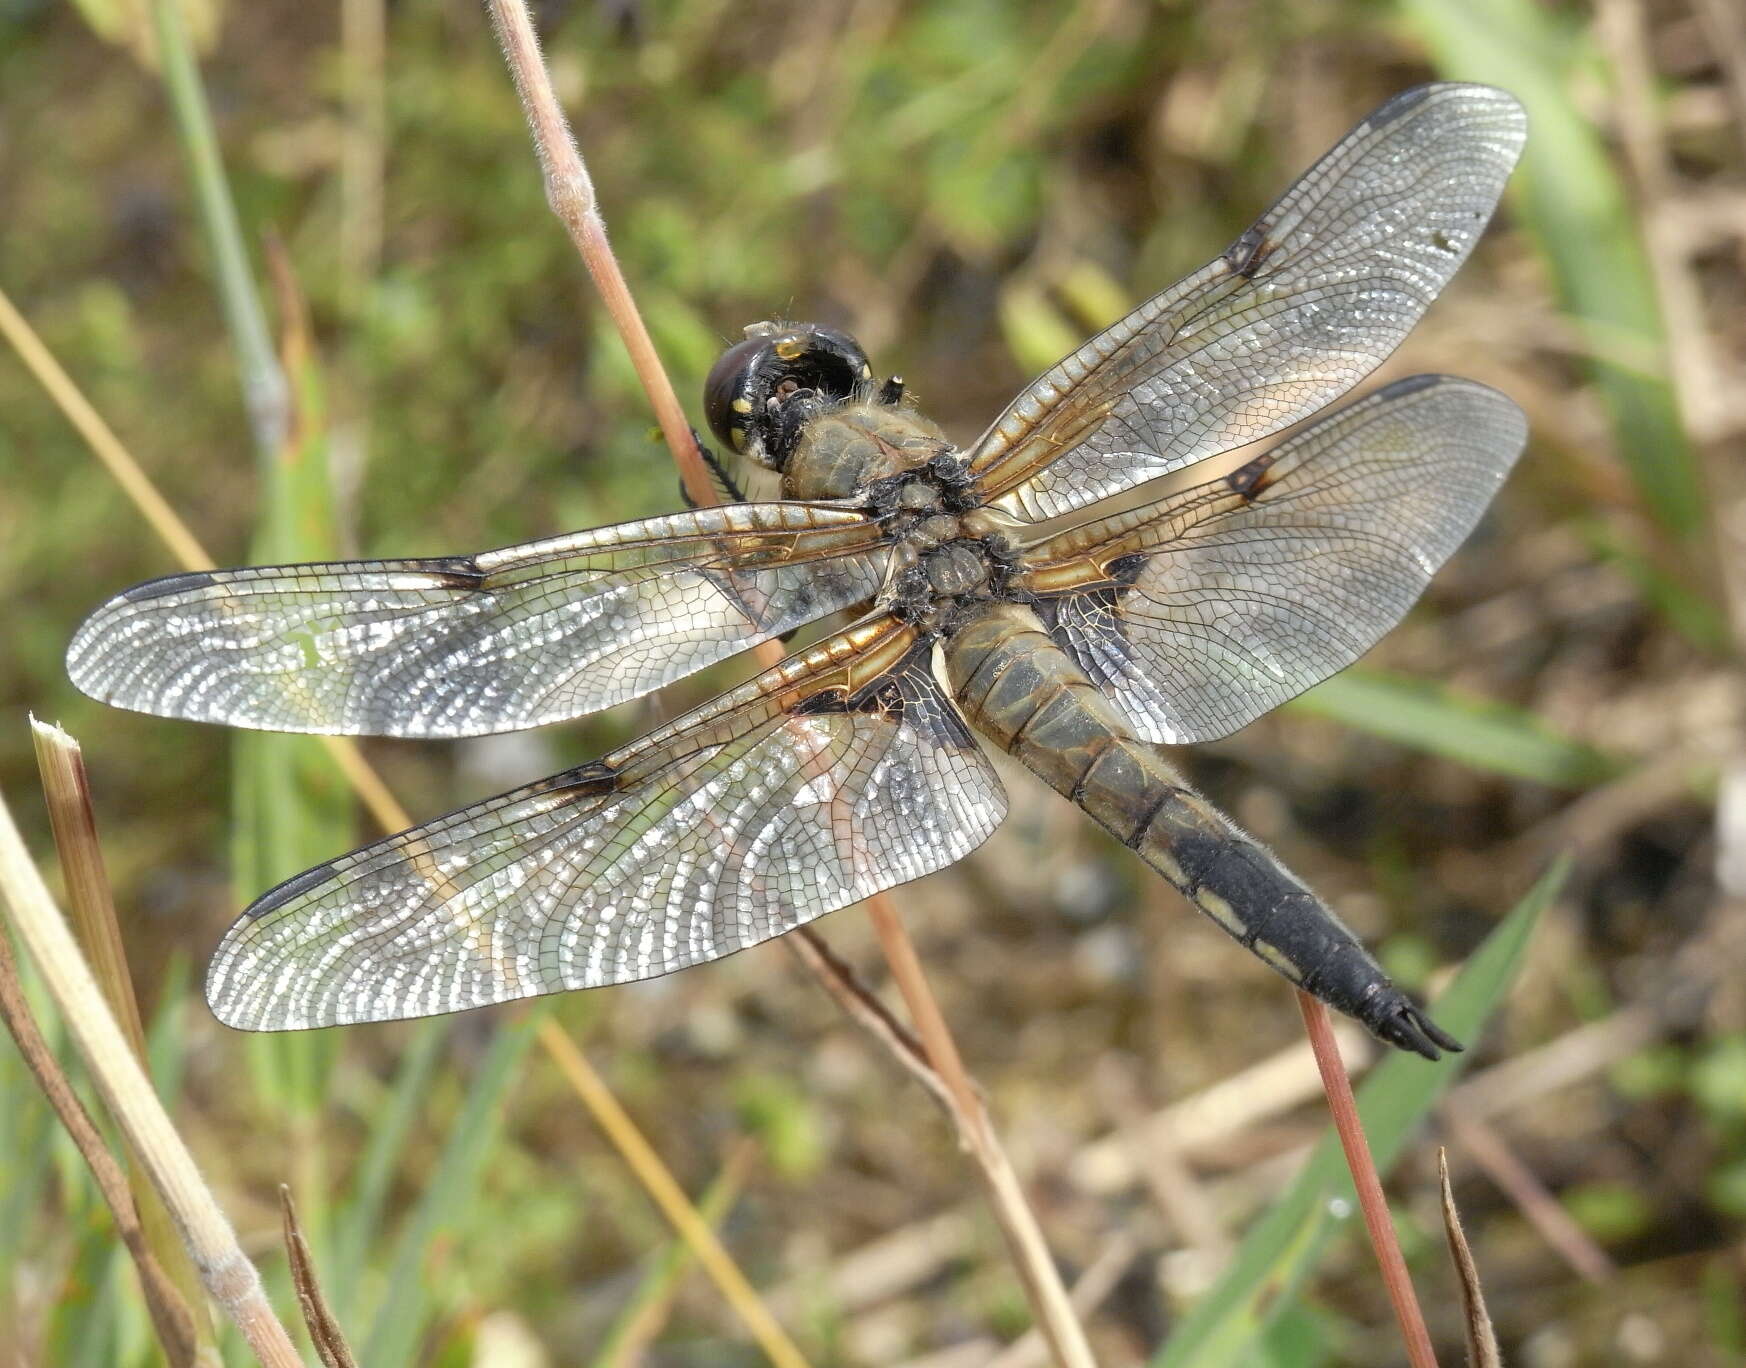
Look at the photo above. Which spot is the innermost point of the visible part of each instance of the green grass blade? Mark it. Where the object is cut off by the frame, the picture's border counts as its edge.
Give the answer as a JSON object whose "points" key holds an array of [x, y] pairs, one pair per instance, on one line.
{"points": [[292, 806], [264, 386], [400, 1321], [360, 1218], [1571, 200], [1486, 735], [665, 1271], [1282, 1247]]}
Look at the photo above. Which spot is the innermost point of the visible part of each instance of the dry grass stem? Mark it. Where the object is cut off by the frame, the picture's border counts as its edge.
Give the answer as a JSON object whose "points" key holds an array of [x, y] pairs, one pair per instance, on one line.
{"points": [[1100, 1278], [1482, 1348], [104, 444], [1371, 1202], [667, 1194], [864, 1007], [67, 792], [72, 818], [1206, 1122], [1057, 1320], [225, 1271], [646, 1321], [1500, 1163], [172, 1320], [318, 1318], [570, 192]]}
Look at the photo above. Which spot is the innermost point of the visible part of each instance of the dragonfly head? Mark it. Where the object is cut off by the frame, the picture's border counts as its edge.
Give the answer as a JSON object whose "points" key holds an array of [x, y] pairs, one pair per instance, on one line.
{"points": [[763, 391]]}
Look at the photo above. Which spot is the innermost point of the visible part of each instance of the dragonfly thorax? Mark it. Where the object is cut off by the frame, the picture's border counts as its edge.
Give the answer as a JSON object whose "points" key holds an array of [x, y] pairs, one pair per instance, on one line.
{"points": [[853, 449]]}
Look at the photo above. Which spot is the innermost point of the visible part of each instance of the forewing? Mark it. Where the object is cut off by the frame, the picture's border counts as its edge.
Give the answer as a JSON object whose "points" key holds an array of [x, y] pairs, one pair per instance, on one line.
{"points": [[469, 645], [1300, 308], [841, 772], [1201, 612]]}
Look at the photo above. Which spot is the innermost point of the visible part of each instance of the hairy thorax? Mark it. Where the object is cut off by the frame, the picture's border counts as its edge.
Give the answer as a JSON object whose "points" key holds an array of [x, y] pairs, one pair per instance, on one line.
{"points": [[949, 556]]}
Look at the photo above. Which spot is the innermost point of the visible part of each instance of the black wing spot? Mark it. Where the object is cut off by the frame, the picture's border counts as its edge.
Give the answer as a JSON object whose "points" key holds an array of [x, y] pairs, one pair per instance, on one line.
{"points": [[824, 703], [595, 776], [1410, 385], [1251, 480], [1392, 109], [184, 583], [293, 888], [1246, 255]]}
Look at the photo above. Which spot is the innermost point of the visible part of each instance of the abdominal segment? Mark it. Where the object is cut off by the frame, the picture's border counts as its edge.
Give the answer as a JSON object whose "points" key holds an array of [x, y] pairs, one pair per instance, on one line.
{"points": [[1025, 694]]}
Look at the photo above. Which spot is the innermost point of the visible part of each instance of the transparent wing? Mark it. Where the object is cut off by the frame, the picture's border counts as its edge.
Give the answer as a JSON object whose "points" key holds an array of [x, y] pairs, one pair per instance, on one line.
{"points": [[1201, 612], [468, 645], [1300, 308], [841, 772]]}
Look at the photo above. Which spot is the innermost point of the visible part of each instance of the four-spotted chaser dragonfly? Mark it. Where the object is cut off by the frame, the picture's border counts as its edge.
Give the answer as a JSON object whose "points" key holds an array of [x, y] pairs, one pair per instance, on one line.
{"points": [[851, 767]]}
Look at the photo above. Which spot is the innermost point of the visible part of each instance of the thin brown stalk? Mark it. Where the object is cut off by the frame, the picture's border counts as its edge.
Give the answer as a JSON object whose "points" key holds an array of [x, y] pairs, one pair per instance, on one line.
{"points": [[72, 818], [1371, 1202], [318, 1318], [104, 444], [671, 1198], [570, 192], [1487, 1149], [225, 1271], [1057, 1321], [66, 789], [172, 1320], [1482, 1348]]}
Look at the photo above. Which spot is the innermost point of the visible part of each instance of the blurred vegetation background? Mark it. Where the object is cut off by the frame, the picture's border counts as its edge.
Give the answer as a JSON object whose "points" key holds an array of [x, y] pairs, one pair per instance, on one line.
{"points": [[971, 188]]}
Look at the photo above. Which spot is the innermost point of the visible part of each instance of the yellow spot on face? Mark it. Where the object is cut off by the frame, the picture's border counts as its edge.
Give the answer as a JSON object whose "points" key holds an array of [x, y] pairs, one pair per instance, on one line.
{"points": [[790, 350], [1221, 912], [1276, 957], [742, 405], [738, 437], [866, 371]]}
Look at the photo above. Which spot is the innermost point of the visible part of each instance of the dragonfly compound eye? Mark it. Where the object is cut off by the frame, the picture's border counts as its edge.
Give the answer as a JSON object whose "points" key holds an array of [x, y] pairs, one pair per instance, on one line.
{"points": [[761, 392]]}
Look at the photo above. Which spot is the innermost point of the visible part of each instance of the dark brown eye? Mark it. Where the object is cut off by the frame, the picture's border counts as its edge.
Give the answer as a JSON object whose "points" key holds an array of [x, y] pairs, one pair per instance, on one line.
{"points": [[762, 390], [727, 394]]}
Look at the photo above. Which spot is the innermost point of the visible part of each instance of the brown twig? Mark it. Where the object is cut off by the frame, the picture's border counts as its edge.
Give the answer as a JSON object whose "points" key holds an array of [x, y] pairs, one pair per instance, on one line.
{"points": [[171, 1318], [668, 1195], [225, 1271], [1500, 1163], [318, 1318], [570, 192], [1371, 1202], [1482, 1349], [67, 793]]}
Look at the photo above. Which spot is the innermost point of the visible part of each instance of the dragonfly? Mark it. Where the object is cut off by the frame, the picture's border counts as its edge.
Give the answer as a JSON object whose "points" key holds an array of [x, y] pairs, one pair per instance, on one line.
{"points": [[1005, 588]]}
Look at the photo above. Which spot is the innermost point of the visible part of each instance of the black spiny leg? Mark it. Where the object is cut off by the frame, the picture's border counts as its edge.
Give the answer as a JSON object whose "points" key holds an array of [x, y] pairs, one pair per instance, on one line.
{"points": [[725, 483]]}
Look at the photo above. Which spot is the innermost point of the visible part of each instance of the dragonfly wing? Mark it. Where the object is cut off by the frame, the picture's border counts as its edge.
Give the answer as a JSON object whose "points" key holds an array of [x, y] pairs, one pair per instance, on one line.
{"points": [[1201, 612], [1299, 309], [841, 772], [470, 645]]}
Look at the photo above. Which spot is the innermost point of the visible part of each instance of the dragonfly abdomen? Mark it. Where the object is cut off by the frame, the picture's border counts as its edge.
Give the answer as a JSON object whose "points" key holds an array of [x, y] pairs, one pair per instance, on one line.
{"points": [[1025, 694]]}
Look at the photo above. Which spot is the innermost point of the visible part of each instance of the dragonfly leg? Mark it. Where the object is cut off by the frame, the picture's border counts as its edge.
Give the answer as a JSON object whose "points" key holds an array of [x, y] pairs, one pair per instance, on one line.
{"points": [[724, 478]]}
